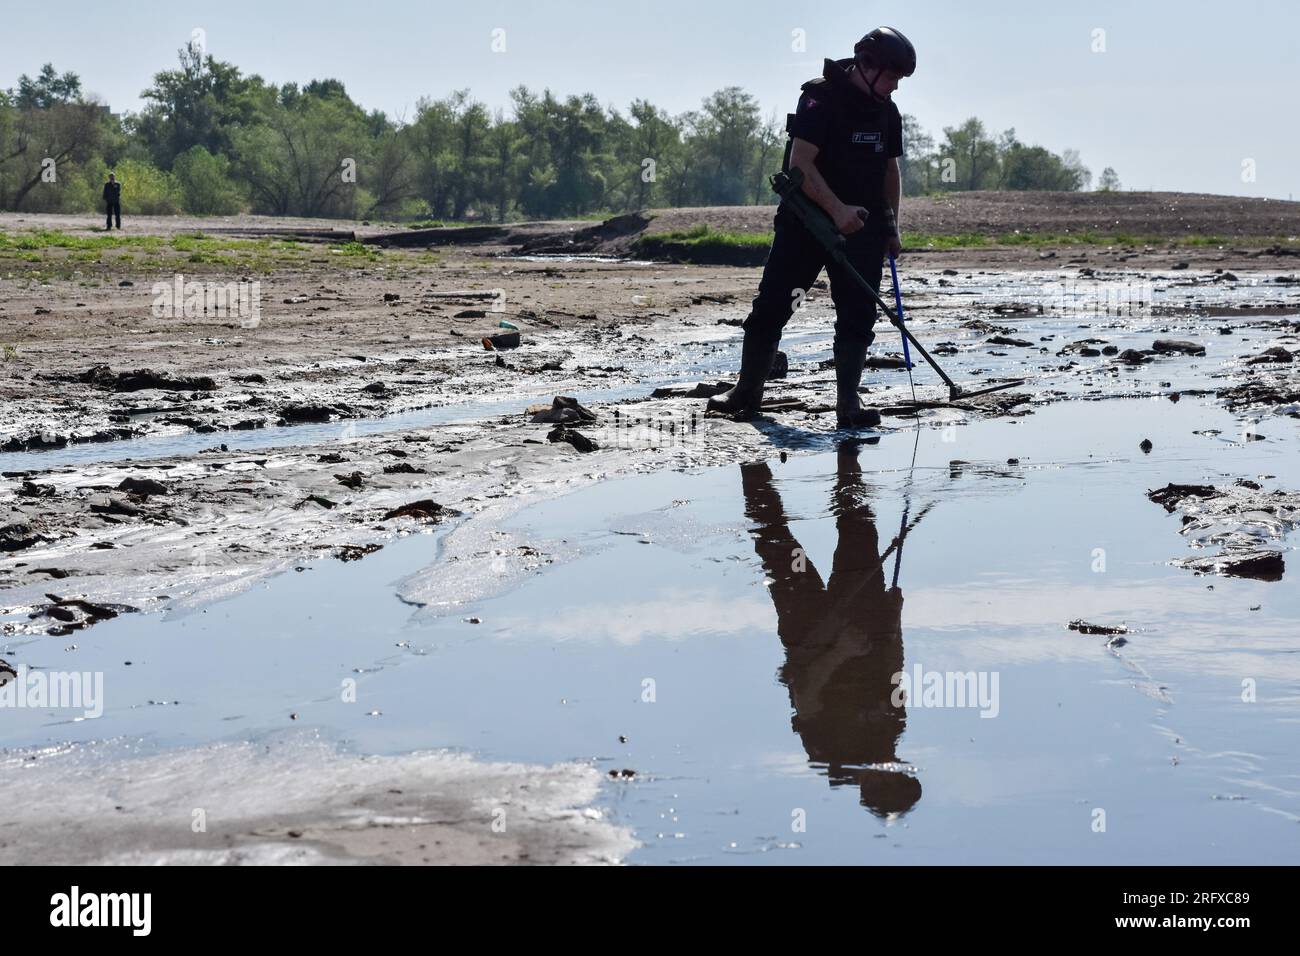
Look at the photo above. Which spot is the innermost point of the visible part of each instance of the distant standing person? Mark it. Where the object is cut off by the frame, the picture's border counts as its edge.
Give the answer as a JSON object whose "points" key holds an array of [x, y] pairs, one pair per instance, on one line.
{"points": [[113, 201], [846, 137]]}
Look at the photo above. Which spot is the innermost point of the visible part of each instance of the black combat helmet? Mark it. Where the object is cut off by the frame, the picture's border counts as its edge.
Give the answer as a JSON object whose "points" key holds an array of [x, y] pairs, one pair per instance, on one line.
{"points": [[888, 49]]}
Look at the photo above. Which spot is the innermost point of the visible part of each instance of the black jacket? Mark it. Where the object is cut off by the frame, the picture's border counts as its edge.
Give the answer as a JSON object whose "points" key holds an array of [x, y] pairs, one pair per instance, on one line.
{"points": [[113, 192], [855, 135]]}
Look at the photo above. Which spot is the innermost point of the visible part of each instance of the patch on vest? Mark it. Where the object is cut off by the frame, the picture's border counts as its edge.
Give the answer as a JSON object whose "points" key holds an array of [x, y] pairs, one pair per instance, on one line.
{"points": [[871, 139]]}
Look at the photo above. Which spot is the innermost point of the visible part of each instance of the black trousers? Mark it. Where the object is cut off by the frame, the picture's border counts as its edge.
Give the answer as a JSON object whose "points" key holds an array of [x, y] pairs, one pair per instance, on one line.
{"points": [[114, 209], [794, 263]]}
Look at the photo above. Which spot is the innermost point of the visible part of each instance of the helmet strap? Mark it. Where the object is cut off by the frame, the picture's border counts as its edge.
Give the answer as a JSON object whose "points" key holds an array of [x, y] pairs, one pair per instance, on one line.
{"points": [[871, 84]]}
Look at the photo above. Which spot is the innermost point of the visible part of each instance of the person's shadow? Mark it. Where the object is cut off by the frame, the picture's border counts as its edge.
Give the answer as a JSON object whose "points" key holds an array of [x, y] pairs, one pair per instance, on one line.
{"points": [[843, 639]]}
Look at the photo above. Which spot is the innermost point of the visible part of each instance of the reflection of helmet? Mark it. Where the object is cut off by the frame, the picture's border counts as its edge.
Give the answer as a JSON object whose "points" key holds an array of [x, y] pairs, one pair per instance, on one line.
{"points": [[888, 792], [885, 47]]}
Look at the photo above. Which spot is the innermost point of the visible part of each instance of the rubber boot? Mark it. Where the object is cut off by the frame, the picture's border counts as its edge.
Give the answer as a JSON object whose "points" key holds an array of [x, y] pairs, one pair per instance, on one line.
{"points": [[744, 399], [849, 413]]}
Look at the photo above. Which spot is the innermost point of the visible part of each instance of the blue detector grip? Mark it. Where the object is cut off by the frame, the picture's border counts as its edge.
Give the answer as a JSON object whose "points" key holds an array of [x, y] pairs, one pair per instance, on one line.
{"points": [[898, 305]]}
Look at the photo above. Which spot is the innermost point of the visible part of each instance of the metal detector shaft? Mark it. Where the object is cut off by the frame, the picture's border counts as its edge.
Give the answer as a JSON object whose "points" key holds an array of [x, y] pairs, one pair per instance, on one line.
{"points": [[790, 188]]}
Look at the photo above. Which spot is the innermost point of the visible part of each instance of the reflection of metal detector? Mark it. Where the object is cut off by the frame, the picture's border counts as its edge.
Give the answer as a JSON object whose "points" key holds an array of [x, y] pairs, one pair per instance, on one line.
{"points": [[790, 187]]}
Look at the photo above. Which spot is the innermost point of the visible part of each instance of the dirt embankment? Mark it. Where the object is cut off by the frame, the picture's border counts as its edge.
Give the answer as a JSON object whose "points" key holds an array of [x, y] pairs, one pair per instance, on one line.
{"points": [[1007, 227]]}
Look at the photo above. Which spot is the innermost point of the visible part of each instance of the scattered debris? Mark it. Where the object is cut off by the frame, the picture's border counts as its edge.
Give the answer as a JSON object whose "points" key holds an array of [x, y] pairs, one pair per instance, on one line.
{"points": [[564, 409], [1262, 565], [575, 438], [1083, 627], [355, 552], [426, 509], [1274, 354], [142, 487], [1174, 346], [1171, 494], [501, 340]]}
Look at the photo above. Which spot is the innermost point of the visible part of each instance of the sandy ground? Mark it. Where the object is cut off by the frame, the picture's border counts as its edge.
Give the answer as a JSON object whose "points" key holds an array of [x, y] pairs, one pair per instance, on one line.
{"points": [[336, 349]]}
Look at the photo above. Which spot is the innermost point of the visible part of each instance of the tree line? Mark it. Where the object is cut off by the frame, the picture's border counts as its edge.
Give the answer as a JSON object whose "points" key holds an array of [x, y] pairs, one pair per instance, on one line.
{"points": [[211, 140]]}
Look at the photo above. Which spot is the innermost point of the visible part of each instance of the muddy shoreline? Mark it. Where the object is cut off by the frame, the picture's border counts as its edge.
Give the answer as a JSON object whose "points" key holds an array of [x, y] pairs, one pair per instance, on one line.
{"points": [[201, 457]]}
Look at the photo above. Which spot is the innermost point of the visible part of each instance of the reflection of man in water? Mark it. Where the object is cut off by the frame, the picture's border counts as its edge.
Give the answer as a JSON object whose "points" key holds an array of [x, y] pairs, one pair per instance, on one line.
{"points": [[843, 640]]}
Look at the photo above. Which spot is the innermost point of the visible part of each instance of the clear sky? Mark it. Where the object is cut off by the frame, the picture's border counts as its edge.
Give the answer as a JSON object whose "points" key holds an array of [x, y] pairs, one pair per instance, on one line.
{"points": [[1182, 95]]}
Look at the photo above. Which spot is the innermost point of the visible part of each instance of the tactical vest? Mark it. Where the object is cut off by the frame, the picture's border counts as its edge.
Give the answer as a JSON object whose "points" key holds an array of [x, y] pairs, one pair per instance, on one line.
{"points": [[855, 153]]}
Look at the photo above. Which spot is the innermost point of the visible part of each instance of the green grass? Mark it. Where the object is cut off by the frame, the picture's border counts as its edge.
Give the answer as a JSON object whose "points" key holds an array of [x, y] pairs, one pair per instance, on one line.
{"points": [[43, 239], [63, 252], [356, 250], [705, 245]]}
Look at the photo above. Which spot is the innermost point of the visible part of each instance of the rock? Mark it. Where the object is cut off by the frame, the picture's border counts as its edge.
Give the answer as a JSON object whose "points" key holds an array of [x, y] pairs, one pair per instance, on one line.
{"points": [[144, 487], [57, 573], [306, 412], [376, 388], [1083, 627], [1275, 354], [333, 458], [699, 390], [354, 480], [950, 272], [563, 409], [100, 376], [1146, 445], [1179, 265], [1004, 340], [470, 314], [251, 379], [30, 489], [403, 468], [578, 440], [391, 297], [1262, 565], [1089, 352], [318, 500], [1110, 350], [886, 361], [115, 506], [1133, 357], [355, 552], [426, 509], [1170, 346], [76, 613], [1171, 494], [19, 535]]}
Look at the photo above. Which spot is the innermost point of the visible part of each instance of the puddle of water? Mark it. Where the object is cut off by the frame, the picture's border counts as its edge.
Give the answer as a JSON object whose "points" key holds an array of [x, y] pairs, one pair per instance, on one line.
{"points": [[739, 628]]}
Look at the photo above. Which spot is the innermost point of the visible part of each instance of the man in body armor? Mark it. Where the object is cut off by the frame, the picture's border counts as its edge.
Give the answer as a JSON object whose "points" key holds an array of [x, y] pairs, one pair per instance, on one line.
{"points": [[846, 137]]}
